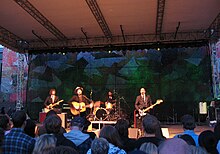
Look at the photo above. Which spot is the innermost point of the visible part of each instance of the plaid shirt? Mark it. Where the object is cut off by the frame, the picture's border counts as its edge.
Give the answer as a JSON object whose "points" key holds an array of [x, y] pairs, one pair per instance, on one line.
{"points": [[17, 142]]}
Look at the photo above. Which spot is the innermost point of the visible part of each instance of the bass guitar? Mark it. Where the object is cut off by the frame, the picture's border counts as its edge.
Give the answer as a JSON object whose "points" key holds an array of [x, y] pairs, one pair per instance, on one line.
{"points": [[143, 112], [77, 107]]}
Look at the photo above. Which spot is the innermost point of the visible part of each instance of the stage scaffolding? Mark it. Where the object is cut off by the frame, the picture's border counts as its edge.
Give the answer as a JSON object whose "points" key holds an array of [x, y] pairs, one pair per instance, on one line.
{"points": [[20, 80]]}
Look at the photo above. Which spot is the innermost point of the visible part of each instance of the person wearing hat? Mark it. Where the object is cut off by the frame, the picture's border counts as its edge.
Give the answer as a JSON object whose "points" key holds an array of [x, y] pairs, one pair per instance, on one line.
{"points": [[79, 102], [82, 140]]}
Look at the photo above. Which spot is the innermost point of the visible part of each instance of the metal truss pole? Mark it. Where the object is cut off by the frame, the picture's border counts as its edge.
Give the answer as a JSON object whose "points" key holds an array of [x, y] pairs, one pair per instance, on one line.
{"points": [[20, 79]]}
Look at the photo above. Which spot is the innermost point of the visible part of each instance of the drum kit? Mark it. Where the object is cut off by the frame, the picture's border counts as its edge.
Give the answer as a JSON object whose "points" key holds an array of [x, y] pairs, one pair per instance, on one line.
{"points": [[104, 112]]}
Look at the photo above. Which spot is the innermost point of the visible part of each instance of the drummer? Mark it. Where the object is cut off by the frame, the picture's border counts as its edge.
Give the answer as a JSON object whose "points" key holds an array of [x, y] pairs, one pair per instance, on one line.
{"points": [[110, 102]]}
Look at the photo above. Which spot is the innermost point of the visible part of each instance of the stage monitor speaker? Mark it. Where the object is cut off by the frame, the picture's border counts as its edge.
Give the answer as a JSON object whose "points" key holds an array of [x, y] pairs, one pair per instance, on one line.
{"points": [[165, 132], [133, 133], [202, 108]]}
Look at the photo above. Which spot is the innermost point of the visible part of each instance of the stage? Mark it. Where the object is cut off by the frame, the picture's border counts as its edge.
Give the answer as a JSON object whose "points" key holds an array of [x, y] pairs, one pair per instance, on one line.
{"points": [[169, 131], [176, 129]]}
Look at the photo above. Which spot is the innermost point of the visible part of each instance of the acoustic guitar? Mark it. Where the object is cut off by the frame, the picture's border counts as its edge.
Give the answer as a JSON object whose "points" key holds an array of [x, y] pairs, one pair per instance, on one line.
{"points": [[77, 107]]}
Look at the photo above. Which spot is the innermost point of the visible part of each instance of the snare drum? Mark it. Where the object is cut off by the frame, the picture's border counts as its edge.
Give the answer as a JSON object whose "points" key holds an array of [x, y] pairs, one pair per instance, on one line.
{"points": [[101, 114]]}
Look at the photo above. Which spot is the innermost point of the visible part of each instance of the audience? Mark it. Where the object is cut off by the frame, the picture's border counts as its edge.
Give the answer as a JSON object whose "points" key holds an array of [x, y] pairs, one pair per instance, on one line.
{"points": [[174, 146], [197, 150], [122, 126], [85, 128], [20, 139], [62, 150], [159, 133], [1, 138], [42, 129], [149, 148], [208, 141], [29, 128], [188, 139], [5, 123], [53, 126], [189, 125], [112, 136], [99, 146], [150, 126], [45, 141], [16, 141], [217, 135], [80, 139]]}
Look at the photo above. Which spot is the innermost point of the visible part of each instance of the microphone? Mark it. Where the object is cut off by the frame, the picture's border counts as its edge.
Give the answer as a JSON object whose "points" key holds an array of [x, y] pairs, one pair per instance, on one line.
{"points": [[114, 91], [90, 92]]}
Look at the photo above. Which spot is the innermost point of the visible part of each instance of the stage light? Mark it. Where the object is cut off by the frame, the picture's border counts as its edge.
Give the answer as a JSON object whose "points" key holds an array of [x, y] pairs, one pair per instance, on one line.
{"points": [[158, 49]]}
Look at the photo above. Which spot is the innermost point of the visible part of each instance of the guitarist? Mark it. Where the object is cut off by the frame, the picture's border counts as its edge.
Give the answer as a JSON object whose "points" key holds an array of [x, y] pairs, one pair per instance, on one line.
{"points": [[142, 101], [79, 98], [52, 99]]}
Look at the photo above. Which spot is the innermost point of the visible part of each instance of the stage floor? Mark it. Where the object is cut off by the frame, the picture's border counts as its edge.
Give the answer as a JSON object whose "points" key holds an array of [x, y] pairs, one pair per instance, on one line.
{"points": [[176, 129], [169, 131]]}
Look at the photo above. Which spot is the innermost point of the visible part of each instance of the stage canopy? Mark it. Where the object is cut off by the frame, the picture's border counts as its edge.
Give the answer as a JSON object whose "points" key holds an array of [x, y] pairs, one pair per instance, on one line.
{"points": [[37, 25]]}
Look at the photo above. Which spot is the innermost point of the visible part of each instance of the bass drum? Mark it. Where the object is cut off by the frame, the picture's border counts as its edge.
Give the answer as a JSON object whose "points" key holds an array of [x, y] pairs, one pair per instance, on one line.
{"points": [[101, 114]]}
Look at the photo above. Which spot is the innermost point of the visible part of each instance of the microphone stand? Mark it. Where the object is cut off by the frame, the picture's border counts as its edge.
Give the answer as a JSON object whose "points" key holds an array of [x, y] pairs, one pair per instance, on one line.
{"points": [[119, 103]]}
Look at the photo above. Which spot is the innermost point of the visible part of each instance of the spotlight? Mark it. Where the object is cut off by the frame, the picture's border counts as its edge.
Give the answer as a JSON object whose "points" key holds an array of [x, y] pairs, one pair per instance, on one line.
{"points": [[158, 49]]}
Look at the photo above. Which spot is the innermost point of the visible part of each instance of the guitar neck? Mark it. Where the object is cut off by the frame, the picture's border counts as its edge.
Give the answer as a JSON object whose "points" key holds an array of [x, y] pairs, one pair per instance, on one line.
{"points": [[57, 103], [150, 107]]}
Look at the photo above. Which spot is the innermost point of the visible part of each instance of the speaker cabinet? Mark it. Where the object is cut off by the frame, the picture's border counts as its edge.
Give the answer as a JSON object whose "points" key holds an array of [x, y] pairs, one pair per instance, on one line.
{"points": [[133, 133]]}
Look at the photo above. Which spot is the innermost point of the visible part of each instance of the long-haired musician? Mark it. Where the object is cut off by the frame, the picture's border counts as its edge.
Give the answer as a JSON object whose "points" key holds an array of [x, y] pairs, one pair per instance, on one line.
{"points": [[79, 102], [52, 98], [52, 101]]}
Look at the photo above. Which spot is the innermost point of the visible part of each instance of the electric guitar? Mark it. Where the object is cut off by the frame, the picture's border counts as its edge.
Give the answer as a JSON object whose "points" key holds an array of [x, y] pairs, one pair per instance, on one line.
{"points": [[50, 106], [77, 107], [143, 112]]}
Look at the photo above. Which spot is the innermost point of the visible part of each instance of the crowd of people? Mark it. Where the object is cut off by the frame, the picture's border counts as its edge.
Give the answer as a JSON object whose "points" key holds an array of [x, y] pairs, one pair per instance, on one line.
{"points": [[18, 134]]}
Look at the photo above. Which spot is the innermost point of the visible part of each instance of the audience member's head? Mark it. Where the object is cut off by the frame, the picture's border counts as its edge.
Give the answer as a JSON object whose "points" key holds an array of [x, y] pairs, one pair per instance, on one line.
{"points": [[174, 146], [208, 141], [1, 137], [18, 119], [53, 124], [188, 139], [159, 133], [188, 122], [86, 125], [122, 126], [63, 150], [51, 112], [99, 146], [110, 133], [78, 122], [29, 128], [43, 142], [149, 148], [137, 152], [217, 131], [197, 150], [150, 124], [4, 122]]}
